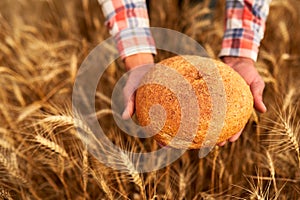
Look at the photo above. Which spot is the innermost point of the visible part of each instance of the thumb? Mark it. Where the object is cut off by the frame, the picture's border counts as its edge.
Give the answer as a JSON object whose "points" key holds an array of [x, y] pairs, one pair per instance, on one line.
{"points": [[257, 89], [129, 108]]}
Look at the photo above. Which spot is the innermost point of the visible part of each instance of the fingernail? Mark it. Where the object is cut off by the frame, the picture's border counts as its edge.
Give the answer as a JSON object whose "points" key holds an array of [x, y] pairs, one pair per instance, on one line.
{"points": [[265, 107]]}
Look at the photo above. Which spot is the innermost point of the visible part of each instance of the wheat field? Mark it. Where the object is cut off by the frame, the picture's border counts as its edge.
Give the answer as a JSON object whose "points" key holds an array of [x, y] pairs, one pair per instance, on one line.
{"points": [[43, 43]]}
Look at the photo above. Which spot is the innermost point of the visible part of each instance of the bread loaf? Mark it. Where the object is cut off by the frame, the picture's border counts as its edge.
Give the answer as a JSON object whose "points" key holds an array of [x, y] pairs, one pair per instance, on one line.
{"points": [[237, 102]]}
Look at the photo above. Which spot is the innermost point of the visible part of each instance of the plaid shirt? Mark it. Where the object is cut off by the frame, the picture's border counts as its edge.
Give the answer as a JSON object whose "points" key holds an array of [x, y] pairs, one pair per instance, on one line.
{"points": [[128, 22]]}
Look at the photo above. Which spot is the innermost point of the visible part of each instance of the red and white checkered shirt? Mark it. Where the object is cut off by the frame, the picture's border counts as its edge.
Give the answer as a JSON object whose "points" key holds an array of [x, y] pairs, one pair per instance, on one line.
{"points": [[128, 22]]}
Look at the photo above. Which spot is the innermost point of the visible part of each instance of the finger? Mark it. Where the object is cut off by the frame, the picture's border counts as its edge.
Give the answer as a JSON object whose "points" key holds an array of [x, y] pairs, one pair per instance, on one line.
{"points": [[129, 109], [235, 137], [222, 143], [129, 97], [257, 89]]}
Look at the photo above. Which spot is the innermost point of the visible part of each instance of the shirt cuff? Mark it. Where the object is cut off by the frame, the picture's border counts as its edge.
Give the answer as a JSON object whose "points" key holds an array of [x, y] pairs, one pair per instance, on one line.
{"points": [[241, 43], [132, 41]]}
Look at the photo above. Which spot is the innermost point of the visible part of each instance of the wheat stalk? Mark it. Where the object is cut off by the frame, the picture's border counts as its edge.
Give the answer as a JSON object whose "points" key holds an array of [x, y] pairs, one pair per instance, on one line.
{"points": [[284, 31], [85, 170], [285, 133], [6, 145], [256, 190], [272, 170], [101, 181], [216, 153], [18, 94], [169, 184], [103, 97], [103, 112], [288, 100], [12, 169], [132, 171], [51, 145], [121, 160], [5, 194], [182, 185]]}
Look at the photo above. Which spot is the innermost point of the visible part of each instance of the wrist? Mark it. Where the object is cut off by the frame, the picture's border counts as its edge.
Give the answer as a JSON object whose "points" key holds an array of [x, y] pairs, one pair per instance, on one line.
{"points": [[233, 60], [138, 60]]}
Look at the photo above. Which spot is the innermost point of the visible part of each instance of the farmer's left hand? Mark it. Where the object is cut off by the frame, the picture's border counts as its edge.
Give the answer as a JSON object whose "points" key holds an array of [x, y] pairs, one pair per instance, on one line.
{"points": [[246, 68]]}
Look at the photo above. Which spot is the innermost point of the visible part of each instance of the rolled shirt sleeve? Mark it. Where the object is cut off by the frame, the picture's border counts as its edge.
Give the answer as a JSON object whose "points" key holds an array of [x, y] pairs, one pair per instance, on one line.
{"points": [[244, 28], [128, 23]]}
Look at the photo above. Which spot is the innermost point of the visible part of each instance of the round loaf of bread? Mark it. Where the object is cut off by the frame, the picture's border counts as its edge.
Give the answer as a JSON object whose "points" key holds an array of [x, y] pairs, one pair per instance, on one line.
{"points": [[224, 102]]}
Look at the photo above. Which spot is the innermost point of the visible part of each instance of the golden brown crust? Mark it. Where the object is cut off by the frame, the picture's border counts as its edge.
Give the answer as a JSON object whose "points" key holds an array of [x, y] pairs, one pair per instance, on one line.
{"points": [[238, 108]]}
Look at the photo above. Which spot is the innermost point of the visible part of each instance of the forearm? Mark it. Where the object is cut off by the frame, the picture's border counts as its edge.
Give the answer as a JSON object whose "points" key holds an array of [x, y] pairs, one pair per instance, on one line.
{"points": [[244, 28], [128, 22], [137, 60]]}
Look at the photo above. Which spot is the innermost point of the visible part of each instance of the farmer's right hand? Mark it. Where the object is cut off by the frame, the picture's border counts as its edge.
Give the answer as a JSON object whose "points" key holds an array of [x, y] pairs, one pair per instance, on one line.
{"points": [[137, 65]]}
